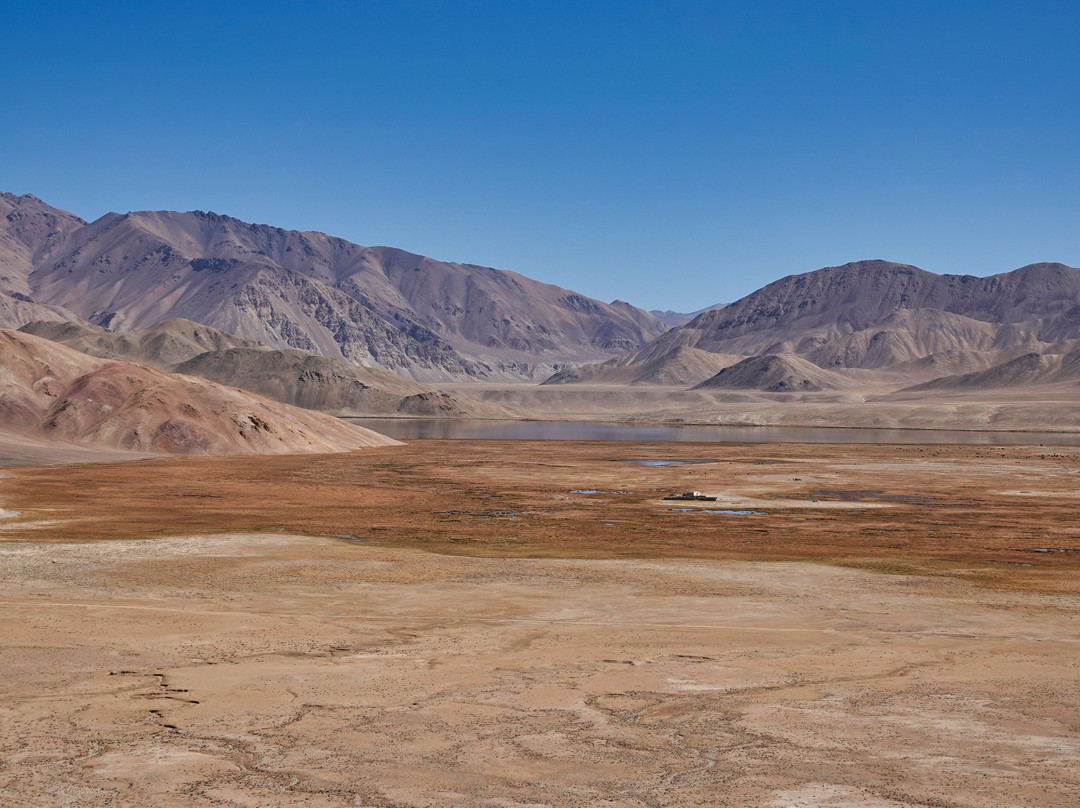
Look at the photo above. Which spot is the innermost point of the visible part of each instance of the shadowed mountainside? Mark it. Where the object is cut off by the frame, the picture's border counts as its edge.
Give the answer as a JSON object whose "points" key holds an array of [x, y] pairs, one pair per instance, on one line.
{"points": [[292, 377], [317, 383], [31, 232]]}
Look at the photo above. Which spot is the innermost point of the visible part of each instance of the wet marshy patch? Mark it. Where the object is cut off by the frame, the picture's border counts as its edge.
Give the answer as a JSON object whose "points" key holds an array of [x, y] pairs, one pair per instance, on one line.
{"points": [[454, 515], [652, 463], [848, 495], [725, 511], [911, 500], [863, 495]]}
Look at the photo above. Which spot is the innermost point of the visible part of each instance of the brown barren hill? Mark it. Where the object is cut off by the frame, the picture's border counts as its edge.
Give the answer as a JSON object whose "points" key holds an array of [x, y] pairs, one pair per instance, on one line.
{"points": [[52, 393], [289, 376], [160, 345], [679, 366], [317, 383], [775, 373]]}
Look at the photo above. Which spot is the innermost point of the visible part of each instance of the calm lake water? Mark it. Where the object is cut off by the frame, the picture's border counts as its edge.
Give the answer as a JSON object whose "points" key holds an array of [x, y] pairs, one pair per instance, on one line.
{"points": [[445, 429]]}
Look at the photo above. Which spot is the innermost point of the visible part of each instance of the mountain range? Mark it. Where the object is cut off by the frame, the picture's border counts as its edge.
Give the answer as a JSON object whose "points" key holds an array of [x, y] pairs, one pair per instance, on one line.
{"points": [[317, 322], [372, 306], [899, 320]]}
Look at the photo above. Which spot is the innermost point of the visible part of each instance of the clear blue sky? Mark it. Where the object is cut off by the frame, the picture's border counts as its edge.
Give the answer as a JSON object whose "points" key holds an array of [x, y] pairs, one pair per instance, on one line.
{"points": [[672, 154]]}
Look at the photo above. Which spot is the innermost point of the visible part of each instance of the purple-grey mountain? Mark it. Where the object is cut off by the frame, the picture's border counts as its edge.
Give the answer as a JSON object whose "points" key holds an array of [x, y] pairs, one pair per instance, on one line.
{"points": [[375, 306], [869, 315], [674, 318]]}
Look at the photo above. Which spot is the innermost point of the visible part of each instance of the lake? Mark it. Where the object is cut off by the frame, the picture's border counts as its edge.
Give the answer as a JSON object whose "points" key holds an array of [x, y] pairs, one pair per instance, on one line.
{"points": [[450, 429]]}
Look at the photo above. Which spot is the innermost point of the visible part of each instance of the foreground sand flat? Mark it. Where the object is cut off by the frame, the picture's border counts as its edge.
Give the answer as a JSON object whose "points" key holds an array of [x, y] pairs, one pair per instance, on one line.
{"points": [[285, 670], [274, 669]]}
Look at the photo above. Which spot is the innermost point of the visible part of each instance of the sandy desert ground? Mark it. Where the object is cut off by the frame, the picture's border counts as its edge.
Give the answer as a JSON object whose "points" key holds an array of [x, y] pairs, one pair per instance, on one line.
{"points": [[887, 626]]}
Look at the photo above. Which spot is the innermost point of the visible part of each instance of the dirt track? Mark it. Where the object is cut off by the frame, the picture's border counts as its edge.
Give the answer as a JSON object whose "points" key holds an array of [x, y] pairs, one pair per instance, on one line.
{"points": [[279, 669]]}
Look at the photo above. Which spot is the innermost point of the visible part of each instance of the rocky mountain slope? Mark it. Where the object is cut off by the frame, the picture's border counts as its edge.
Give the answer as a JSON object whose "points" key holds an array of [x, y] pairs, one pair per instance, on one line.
{"points": [[376, 306], [31, 232], [676, 367], [1027, 370], [317, 383], [914, 311], [52, 393], [289, 376], [875, 315]]}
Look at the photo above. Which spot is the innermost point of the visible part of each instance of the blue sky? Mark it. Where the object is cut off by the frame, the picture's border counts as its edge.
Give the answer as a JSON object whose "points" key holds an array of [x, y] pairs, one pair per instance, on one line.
{"points": [[672, 154]]}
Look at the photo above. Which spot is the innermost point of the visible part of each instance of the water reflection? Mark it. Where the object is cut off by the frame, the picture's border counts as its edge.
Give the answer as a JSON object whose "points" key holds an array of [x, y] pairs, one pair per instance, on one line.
{"points": [[450, 429]]}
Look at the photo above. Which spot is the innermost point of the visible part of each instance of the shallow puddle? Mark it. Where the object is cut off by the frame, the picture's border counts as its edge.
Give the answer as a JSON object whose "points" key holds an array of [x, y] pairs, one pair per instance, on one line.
{"points": [[660, 463], [714, 510]]}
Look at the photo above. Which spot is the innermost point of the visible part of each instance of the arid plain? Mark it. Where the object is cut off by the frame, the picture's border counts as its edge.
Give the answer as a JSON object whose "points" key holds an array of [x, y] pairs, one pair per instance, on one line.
{"points": [[346, 620], [531, 624]]}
